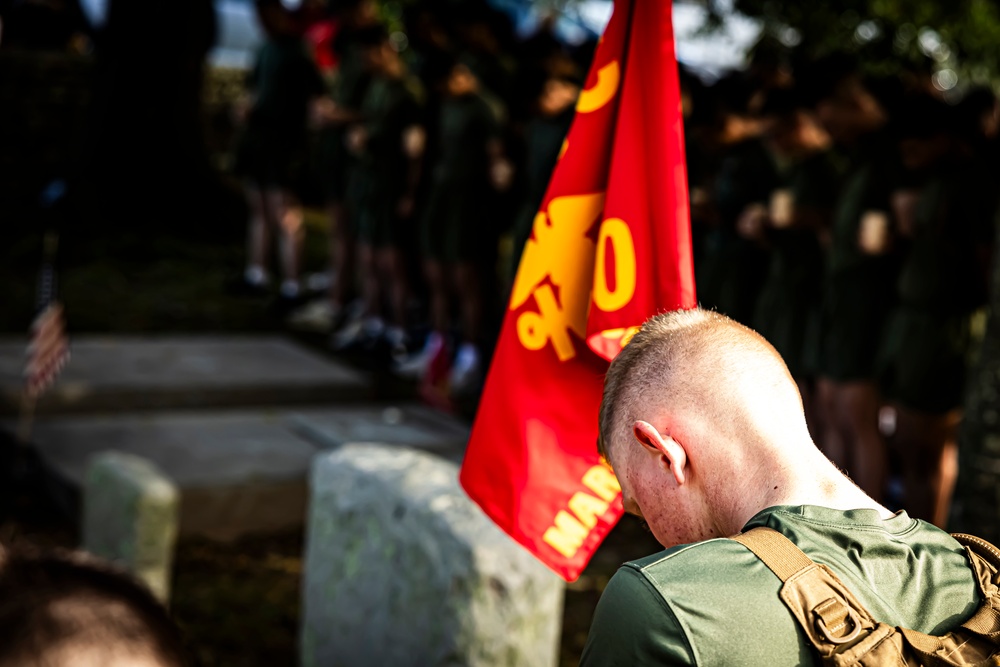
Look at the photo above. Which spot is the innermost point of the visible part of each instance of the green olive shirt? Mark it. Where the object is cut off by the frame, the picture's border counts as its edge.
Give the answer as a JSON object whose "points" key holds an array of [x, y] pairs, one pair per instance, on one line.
{"points": [[715, 603]]}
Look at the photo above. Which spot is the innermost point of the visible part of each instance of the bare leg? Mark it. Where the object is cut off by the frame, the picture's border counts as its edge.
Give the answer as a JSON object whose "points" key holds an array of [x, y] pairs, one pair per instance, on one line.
{"points": [[258, 228], [858, 407], [831, 440], [370, 283], [438, 287], [287, 213], [468, 286], [393, 269], [928, 449], [810, 409], [343, 253]]}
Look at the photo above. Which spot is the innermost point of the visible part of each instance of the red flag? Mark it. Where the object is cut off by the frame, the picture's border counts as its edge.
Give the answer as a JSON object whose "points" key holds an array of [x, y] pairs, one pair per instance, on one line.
{"points": [[610, 247]]}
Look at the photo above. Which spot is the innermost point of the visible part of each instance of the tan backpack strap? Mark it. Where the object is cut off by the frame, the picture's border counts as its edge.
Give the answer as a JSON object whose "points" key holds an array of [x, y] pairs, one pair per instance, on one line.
{"points": [[984, 558], [986, 551], [831, 617], [776, 551]]}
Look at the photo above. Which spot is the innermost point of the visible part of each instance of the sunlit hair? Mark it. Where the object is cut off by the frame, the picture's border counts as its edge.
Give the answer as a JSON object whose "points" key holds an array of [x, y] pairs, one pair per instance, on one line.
{"points": [[692, 359], [62, 609]]}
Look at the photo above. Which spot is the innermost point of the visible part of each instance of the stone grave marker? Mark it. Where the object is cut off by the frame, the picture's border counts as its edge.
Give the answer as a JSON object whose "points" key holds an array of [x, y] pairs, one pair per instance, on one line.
{"points": [[401, 569], [238, 472], [130, 516]]}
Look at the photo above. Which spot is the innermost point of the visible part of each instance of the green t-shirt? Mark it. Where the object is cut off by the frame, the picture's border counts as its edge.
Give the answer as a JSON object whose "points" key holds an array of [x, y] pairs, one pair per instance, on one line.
{"points": [[389, 108], [953, 229], [715, 603], [812, 185], [467, 125], [284, 80]]}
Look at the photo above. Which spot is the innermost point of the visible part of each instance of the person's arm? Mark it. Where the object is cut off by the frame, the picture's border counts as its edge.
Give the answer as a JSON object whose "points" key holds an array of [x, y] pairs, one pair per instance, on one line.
{"points": [[324, 111], [501, 169], [633, 626], [414, 144]]}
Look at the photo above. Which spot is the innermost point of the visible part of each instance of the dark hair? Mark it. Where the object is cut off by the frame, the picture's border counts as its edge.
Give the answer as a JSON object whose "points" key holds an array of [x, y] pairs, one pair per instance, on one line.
{"points": [[72, 601], [818, 80], [783, 102], [732, 94], [925, 117], [976, 102], [372, 36]]}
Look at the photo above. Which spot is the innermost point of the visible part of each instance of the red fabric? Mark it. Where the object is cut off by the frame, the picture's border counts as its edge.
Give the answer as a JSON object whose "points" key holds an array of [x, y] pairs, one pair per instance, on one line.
{"points": [[320, 36], [610, 247]]}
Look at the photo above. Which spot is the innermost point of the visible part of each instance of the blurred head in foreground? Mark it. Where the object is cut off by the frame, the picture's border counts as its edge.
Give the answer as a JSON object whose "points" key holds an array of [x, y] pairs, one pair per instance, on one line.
{"points": [[72, 610]]}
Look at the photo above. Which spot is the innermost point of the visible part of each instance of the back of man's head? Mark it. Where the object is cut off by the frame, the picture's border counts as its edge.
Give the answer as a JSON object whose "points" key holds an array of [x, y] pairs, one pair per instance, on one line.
{"points": [[698, 364], [72, 610]]}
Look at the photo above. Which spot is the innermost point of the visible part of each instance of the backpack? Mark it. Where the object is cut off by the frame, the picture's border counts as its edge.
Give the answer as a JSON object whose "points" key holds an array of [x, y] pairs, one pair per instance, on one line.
{"points": [[844, 633]]}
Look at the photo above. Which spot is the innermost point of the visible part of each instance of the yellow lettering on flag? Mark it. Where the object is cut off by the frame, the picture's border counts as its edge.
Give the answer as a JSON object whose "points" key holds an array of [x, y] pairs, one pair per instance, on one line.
{"points": [[602, 92], [615, 233], [536, 329], [570, 528], [602, 482], [566, 535], [559, 250], [587, 508]]}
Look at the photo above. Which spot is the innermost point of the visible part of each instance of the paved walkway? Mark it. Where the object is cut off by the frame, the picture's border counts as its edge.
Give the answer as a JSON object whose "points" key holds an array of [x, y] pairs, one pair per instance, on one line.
{"points": [[234, 421]]}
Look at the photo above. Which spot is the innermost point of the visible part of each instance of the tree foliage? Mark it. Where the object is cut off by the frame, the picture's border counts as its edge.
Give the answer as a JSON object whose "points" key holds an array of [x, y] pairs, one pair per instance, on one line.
{"points": [[958, 35]]}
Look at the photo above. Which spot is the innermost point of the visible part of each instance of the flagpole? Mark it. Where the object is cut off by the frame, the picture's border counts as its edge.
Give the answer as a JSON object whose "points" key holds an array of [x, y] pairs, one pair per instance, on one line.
{"points": [[27, 419]]}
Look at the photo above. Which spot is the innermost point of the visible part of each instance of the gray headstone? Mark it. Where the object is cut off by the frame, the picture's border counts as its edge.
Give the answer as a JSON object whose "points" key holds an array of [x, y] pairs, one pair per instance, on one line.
{"points": [[402, 569], [162, 372], [130, 516], [238, 472]]}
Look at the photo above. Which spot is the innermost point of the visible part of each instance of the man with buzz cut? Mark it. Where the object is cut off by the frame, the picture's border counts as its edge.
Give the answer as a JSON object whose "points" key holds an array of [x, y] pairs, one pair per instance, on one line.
{"points": [[704, 428]]}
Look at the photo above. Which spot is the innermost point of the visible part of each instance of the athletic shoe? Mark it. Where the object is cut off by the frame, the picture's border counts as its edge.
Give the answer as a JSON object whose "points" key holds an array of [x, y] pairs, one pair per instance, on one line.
{"points": [[360, 332], [318, 283], [415, 366], [467, 371], [398, 341], [317, 316]]}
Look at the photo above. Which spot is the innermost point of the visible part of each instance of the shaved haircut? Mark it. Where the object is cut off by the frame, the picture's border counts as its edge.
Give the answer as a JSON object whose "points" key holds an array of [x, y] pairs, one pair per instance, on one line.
{"points": [[59, 609], [695, 360]]}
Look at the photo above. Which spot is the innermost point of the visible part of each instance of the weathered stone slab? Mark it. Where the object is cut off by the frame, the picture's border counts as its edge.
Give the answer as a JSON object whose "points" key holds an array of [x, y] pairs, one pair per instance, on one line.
{"points": [[403, 569], [406, 424], [130, 516], [238, 472], [132, 373]]}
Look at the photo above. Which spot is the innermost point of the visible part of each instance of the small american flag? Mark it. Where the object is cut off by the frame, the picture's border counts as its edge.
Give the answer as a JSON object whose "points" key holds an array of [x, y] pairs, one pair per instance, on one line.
{"points": [[48, 344], [48, 350]]}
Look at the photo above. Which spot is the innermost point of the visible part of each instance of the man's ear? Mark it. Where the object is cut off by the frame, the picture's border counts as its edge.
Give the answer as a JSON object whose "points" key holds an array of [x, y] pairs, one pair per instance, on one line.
{"points": [[671, 454]]}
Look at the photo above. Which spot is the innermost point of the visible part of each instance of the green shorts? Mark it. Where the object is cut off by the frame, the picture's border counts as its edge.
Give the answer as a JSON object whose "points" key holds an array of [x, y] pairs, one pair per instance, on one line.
{"points": [[786, 316], [924, 358], [271, 160], [457, 225], [855, 308]]}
